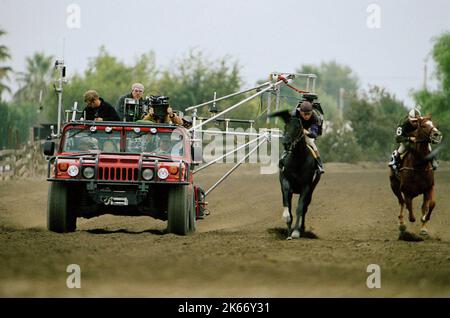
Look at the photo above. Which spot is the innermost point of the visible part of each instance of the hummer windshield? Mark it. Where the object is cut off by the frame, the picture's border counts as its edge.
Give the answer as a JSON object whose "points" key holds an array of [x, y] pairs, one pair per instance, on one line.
{"points": [[84, 140], [161, 143]]}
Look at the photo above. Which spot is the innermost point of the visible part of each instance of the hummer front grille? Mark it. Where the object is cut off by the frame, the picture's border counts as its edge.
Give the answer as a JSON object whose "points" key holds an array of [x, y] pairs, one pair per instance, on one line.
{"points": [[118, 174]]}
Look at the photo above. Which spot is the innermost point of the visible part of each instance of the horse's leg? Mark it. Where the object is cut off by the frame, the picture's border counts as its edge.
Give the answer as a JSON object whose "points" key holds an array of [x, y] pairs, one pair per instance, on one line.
{"points": [[409, 206], [427, 208], [299, 211], [432, 204], [287, 204], [308, 199], [395, 186], [401, 222]]}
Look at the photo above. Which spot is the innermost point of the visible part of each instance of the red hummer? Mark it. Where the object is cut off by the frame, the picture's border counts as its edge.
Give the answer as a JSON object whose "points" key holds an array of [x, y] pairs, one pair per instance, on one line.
{"points": [[122, 168]]}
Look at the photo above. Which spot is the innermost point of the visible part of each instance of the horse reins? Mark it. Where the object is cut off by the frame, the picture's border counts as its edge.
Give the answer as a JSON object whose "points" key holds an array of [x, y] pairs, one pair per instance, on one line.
{"points": [[297, 138]]}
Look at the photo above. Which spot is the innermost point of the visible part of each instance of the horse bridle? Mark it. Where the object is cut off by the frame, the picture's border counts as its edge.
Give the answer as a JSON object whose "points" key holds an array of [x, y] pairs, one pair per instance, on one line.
{"points": [[430, 138]]}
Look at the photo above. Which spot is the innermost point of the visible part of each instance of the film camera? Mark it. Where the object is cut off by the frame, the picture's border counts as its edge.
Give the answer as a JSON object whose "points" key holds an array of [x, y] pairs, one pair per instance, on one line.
{"points": [[137, 109], [159, 105]]}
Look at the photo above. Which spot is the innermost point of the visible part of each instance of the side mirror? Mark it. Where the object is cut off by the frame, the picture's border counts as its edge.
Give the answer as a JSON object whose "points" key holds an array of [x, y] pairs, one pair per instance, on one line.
{"points": [[197, 154], [49, 148]]}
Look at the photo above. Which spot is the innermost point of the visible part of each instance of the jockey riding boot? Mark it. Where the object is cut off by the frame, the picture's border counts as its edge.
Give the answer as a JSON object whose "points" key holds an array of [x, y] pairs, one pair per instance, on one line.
{"points": [[320, 165], [434, 163]]}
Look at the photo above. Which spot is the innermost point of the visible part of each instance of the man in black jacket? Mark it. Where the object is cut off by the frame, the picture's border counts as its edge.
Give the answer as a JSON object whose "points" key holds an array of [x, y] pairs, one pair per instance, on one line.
{"points": [[97, 109], [137, 91]]}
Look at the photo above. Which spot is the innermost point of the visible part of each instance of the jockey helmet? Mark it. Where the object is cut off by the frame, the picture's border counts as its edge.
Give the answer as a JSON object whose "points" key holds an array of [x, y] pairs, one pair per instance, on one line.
{"points": [[413, 114]]}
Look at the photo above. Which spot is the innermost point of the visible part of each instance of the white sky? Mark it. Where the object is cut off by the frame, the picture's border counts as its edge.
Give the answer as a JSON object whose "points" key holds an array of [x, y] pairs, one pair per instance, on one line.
{"points": [[263, 35]]}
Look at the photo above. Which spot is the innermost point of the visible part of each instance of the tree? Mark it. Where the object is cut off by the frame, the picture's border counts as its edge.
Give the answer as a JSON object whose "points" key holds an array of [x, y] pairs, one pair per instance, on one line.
{"points": [[332, 76], [15, 121], [4, 70], [194, 78], [374, 117], [339, 144], [437, 103], [35, 79], [110, 77]]}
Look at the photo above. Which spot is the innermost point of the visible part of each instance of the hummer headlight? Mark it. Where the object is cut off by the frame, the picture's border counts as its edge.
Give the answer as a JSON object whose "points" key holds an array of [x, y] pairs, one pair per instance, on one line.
{"points": [[88, 172], [73, 171], [147, 174], [163, 173]]}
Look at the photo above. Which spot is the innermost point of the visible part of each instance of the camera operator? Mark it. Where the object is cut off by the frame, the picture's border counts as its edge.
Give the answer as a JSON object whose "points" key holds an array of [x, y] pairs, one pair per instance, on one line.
{"points": [[168, 116], [137, 91]]}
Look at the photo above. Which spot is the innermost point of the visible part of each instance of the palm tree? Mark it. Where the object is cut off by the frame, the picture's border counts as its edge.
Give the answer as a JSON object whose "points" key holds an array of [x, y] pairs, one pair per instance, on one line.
{"points": [[36, 78], [4, 70]]}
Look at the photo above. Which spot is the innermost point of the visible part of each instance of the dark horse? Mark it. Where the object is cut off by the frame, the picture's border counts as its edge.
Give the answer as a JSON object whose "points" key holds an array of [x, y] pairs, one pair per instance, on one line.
{"points": [[298, 172], [416, 175]]}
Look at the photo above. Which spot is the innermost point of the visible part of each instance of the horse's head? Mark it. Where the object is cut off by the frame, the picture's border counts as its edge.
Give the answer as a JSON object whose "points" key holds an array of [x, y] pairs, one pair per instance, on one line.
{"points": [[293, 129], [427, 131]]}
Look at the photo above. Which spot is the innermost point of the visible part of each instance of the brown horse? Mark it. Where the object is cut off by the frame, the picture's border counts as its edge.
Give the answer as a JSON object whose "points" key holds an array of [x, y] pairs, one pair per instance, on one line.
{"points": [[416, 175]]}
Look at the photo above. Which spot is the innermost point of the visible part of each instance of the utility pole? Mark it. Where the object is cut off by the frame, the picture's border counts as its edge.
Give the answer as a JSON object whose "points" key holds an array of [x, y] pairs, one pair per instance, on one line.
{"points": [[341, 102], [425, 76]]}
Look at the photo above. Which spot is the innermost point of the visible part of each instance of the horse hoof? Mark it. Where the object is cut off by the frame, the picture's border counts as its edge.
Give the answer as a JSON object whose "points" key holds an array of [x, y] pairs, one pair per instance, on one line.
{"points": [[289, 238], [412, 219], [402, 227], [423, 232], [296, 234]]}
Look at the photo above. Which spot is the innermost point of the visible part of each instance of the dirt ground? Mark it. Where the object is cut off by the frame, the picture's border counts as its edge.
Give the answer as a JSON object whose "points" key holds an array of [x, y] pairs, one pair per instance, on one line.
{"points": [[239, 250]]}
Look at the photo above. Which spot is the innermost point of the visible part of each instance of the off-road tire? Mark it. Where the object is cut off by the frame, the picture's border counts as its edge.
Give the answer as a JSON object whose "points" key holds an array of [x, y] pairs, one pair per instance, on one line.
{"points": [[60, 217], [178, 210]]}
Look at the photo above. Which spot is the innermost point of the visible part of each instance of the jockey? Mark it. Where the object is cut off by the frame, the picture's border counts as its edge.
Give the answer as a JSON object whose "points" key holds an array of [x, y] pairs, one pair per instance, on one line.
{"points": [[404, 136], [310, 123]]}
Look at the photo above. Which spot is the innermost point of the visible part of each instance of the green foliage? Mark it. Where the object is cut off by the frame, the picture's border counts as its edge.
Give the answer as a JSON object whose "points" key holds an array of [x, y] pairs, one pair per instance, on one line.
{"points": [[437, 103], [16, 122], [340, 144], [332, 76], [374, 118], [107, 75], [441, 55], [35, 79], [4, 70], [194, 78], [365, 133], [190, 80]]}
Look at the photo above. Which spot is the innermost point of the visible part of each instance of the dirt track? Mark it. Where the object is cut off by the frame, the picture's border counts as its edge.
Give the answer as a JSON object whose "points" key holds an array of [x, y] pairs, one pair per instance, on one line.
{"points": [[239, 250]]}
